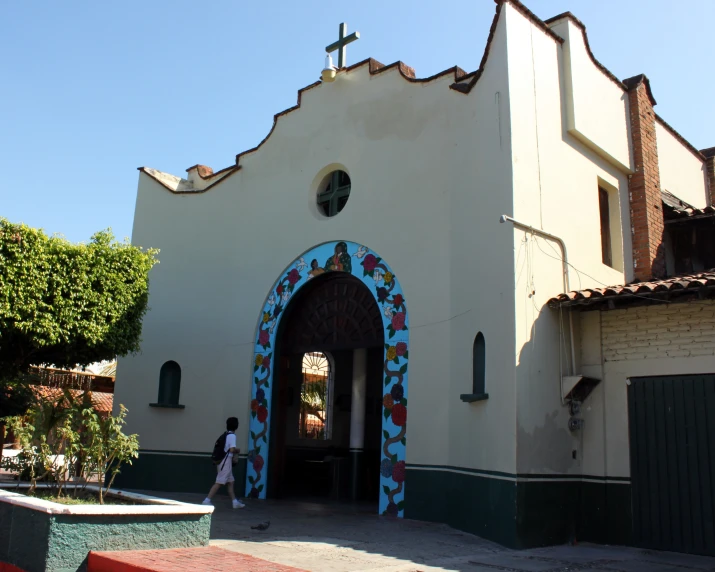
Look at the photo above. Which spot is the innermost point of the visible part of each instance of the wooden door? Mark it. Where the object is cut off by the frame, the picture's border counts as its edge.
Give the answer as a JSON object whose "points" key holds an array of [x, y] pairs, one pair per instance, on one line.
{"points": [[672, 442], [281, 383]]}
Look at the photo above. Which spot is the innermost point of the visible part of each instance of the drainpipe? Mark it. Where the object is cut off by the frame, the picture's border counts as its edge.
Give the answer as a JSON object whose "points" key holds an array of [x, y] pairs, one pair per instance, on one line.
{"points": [[567, 287]]}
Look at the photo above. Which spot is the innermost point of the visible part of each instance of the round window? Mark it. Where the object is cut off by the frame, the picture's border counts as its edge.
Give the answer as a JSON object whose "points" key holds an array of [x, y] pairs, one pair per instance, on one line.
{"points": [[333, 193]]}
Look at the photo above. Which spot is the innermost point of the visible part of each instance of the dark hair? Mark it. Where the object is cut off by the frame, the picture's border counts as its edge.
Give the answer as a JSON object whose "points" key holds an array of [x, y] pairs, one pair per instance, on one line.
{"points": [[232, 423]]}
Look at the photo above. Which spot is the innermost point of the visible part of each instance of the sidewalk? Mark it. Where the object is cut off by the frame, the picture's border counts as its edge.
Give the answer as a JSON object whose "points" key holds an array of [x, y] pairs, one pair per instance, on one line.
{"points": [[342, 538]]}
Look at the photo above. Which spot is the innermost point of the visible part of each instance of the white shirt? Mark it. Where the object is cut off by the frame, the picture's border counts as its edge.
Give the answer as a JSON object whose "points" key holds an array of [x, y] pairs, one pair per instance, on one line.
{"points": [[230, 442]]}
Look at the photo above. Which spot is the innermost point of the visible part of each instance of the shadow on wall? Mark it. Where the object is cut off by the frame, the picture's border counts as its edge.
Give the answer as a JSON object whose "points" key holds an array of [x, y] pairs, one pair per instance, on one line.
{"points": [[547, 509], [544, 443], [554, 504]]}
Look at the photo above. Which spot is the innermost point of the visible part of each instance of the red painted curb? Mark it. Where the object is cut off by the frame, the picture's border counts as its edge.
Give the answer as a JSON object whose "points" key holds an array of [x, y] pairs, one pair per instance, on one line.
{"points": [[5, 567], [103, 562], [180, 560]]}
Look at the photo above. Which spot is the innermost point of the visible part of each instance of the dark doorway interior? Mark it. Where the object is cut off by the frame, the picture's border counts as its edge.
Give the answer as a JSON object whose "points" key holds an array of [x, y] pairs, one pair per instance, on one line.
{"points": [[324, 324]]}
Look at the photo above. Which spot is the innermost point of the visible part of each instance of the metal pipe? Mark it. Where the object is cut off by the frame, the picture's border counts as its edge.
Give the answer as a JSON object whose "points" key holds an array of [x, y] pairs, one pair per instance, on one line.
{"points": [[567, 284]]}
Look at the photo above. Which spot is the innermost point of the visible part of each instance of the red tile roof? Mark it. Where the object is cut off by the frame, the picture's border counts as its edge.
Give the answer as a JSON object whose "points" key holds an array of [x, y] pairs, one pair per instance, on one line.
{"points": [[677, 209], [101, 402], [684, 284]]}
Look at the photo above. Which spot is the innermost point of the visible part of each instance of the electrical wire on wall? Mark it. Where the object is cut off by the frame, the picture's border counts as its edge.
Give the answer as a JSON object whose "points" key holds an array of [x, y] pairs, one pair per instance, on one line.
{"points": [[580, 272]]}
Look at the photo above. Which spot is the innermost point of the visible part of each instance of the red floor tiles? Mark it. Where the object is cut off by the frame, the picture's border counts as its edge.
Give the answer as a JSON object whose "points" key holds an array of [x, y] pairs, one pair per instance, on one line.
{"points": [[208, 559]]}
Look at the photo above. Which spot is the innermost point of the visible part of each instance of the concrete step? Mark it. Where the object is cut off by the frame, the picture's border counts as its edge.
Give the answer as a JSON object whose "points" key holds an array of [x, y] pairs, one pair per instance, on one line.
{"points": [[209, 559]]}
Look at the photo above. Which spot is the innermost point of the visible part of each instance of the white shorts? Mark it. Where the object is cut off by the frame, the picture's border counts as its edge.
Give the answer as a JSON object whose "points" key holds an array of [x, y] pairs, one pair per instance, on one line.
{"points": [[224, 471]]}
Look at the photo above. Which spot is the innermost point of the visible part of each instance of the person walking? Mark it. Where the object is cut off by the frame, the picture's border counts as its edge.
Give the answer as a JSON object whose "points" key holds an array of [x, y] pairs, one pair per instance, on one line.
{"points": [[225, 456]]}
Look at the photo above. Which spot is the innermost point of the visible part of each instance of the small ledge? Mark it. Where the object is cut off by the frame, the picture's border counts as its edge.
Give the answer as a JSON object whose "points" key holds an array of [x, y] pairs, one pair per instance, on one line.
{"points": [[472, 397], [167, 406]]}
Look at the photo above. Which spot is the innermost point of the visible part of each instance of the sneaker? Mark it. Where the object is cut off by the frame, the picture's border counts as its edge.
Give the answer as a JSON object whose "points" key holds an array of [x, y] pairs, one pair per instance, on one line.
{"points": [[207, 501], [238, 504]]}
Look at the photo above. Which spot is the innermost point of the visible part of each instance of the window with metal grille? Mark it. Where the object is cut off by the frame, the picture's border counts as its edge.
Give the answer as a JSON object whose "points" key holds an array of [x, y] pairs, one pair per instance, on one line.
{"points": [[314, 420]]}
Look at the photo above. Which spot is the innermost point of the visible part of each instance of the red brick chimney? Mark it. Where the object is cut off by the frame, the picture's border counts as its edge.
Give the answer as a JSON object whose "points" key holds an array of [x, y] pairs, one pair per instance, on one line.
{"points": [[644, 184], [709, 155]]}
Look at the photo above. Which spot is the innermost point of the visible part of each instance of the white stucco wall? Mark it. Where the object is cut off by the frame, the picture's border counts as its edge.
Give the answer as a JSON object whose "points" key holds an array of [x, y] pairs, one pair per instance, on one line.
{"points": [[596, 108], [556, 180], [681, 172], [430, 170]]}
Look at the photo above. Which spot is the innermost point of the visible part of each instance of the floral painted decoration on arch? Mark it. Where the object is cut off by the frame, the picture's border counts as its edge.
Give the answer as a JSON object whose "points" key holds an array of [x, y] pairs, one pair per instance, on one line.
{"points": [[367, 266]]}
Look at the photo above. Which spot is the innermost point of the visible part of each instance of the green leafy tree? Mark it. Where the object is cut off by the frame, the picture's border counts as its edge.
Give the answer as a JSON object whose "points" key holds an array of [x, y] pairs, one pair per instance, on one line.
{"points": [[66, 304], [57, 435], [49, 441], [105, 447]]}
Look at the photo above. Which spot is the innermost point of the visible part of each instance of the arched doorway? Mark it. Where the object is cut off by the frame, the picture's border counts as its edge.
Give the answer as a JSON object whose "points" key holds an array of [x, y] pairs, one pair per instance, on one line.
{"points": [[354, 302], [327, 395]]}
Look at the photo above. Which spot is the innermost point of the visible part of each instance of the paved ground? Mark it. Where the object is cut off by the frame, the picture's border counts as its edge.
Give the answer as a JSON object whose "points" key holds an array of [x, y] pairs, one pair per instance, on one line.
{"points": [[341, 538]]}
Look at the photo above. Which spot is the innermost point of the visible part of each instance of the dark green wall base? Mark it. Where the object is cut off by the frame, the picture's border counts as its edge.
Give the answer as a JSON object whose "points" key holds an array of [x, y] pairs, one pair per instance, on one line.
{"points": [[36, 541], [176, 473], [521, 513], [554, 512], [474, 503]]}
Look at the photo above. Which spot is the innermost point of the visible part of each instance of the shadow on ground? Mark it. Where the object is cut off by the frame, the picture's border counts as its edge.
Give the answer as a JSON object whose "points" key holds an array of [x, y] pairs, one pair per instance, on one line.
{"points": [[343, 537]]}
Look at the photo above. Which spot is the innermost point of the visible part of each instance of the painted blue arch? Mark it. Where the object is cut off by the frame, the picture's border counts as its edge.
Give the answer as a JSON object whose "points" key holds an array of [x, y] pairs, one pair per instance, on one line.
{"points": [[368, 266]]}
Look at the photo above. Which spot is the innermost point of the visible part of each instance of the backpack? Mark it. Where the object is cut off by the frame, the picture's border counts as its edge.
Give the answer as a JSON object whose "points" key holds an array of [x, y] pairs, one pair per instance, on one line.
{"points": [[219, 454]]}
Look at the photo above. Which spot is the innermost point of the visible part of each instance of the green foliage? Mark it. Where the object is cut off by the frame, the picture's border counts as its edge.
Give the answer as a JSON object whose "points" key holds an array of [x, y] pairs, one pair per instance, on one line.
{"points": [[15, 397], [66, 304], [49, 440], [62, 438], [106, 447]]}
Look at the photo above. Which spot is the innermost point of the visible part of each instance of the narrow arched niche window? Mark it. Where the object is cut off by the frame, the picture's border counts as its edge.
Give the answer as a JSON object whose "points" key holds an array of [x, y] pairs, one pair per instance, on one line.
{"points": [[169, 386], [479, 371], [333, 193]]}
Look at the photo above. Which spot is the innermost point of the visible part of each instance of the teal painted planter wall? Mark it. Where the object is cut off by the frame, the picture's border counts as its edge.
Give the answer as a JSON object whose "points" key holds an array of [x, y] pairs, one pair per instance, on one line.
{"points": [[24, 537], [36, 541], [176, 472], [522, 513]]}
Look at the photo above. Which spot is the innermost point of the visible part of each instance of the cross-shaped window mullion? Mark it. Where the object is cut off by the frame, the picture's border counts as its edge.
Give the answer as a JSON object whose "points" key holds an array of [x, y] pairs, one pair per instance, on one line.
{"points": [[333, 194]]}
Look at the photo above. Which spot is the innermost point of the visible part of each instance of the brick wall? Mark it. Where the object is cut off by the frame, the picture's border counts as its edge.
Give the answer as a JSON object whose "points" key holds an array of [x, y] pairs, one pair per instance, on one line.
{"points": [[710, 170], [644, 184], [659, 331]]}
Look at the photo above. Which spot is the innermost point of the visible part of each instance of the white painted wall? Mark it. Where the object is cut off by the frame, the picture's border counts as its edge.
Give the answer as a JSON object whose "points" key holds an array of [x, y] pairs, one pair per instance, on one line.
{"points": [[430, 170], [681, 172], [481, 434], [596, 108], [556, 180]]}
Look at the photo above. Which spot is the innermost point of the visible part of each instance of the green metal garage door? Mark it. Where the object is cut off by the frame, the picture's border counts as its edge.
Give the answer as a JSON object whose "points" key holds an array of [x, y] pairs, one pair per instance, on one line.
{"points": [[672, 441]]}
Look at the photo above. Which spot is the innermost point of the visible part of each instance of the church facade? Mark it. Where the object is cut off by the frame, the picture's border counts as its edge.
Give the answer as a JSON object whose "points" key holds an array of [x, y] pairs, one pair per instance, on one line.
{"points": [[379, 304]]}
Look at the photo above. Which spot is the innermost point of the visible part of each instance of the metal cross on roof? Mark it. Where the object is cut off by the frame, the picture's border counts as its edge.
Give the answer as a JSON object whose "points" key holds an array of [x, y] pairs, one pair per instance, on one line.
{"points": [[342, 42]]}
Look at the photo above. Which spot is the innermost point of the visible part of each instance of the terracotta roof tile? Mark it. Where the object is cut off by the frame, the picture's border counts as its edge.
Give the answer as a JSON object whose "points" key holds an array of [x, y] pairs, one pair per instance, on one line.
{"points": [[676, 284], [101, 402]]}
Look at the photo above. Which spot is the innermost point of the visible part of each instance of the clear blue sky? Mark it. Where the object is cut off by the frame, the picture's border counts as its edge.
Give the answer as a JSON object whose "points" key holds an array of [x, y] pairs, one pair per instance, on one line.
{"points": [[92, 90]]}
